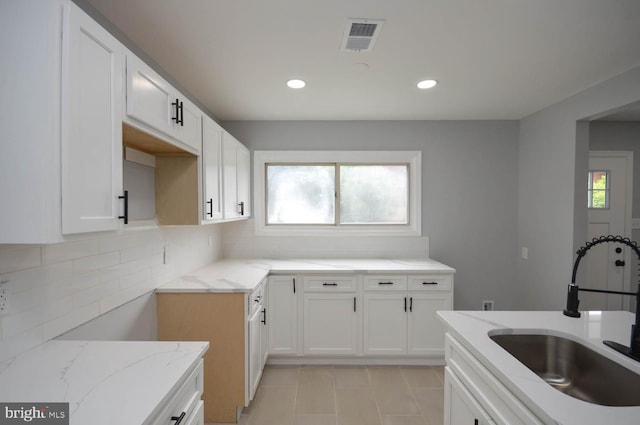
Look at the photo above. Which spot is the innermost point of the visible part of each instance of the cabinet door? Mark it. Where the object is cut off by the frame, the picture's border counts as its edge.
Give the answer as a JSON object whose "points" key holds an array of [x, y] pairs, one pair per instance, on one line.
{"points": [[149, 96], [236, 164], [244, 180], [211, 169], [92, 128], [460, 407], [230, 171], [255, 353], [264, 329], [282, 310], [426, 331], [190, 131], [330, 324], [385, 324]]}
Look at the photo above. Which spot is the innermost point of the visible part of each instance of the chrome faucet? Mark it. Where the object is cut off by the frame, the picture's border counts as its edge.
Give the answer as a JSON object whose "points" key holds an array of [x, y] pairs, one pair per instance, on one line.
{"points": [[633, 350]]}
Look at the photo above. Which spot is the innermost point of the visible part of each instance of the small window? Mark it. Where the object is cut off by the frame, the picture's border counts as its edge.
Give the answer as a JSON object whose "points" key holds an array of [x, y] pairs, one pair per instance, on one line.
{"points": [[598, 189], [337, 193], [367, 194]]}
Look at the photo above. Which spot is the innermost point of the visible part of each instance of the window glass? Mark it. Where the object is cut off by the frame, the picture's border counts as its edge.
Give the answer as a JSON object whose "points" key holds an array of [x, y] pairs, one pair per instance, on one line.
{"points": [[300, 194], [373, 194], [598, 189]]}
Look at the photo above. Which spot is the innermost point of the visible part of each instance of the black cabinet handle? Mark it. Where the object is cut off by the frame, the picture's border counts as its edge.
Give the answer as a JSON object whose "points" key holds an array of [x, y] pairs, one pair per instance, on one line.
{"points": [[176, 118], [329, 284], [210, 211], [354, 304], [294, 286], [385, 283], [410, 304], [178, 419], [181, 109], [264, 316], [241, 205], [405, 304], [475, 422], [429, 283], [125, 217]]}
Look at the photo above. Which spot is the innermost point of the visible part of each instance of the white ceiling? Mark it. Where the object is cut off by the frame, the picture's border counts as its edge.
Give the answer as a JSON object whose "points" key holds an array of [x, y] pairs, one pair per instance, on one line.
{"points": [[494, 59]]}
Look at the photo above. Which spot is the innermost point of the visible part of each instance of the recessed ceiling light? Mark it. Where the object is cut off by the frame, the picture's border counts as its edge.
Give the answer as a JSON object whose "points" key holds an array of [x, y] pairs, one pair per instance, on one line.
{"points": [[296, 84], [427, 84]]}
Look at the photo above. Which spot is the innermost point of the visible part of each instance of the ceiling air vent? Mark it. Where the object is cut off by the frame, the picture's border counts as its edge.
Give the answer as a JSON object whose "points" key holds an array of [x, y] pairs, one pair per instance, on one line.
{"points": [[360, 34]]}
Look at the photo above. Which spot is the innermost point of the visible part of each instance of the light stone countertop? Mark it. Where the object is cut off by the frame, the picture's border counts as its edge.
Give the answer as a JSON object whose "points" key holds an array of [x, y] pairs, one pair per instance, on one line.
{"points": [[245, 275], [105, 382], [471, 328]]}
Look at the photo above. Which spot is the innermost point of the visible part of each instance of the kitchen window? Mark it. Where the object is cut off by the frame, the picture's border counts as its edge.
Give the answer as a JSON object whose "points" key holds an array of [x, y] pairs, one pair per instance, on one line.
{"points": [[337, 192]]}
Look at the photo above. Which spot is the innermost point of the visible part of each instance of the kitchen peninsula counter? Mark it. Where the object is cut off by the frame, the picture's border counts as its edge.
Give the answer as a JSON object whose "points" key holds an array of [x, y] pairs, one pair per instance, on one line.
{"points": [[471, 330], [104, 382]]}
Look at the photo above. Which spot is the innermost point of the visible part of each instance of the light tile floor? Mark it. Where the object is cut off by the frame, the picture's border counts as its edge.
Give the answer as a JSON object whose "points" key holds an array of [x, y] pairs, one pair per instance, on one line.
{"points": [[348, 395]]}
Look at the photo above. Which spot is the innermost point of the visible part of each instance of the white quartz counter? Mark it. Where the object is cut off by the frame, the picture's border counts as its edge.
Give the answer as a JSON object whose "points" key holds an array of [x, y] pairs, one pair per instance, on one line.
{"points": [[105, 382], [245, 275], [550, 405]]}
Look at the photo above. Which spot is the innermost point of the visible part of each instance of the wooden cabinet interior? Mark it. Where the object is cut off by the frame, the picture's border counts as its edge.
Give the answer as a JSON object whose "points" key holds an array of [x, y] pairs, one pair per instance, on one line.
{"points": [[176, 174]]}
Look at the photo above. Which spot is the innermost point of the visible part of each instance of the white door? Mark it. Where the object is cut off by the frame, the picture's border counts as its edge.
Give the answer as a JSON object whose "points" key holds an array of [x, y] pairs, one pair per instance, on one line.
{"points": [[330, 324], [385, 324], [92, 128], [426, 331], [189, 130], [608, 264], [255, 352], [230, 171], [282, 310], [211, 169], [461, 408]]}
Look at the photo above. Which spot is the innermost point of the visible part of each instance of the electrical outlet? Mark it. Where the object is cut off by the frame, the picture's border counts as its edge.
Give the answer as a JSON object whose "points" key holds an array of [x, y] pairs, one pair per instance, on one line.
{"points": [[487, 305], [4, 297]]}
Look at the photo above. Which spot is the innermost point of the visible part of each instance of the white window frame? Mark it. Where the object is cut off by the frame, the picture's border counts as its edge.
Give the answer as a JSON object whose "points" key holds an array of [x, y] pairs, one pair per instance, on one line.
{"points": [[413, 158]]}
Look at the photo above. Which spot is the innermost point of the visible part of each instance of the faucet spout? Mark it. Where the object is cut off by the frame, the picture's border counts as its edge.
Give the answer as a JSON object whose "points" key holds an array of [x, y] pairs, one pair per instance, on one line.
{"points": [[571, 310]]}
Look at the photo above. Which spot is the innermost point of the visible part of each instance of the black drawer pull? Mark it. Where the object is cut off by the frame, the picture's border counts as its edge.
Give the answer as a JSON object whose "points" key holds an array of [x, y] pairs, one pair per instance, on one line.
{"points": [[125, 217], [429, 283], [405, 304], [294, 286], [354, 304], [264, 316], [210, 203], [385, 283], [411, 305], [178, 419], [330, 284]]}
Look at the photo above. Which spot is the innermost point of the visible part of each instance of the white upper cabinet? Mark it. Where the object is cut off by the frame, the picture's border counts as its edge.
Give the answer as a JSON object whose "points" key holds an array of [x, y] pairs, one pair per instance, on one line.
{"points": [[91, 154], [236, 169], [60, 121], [159, 107], [211, 170]]}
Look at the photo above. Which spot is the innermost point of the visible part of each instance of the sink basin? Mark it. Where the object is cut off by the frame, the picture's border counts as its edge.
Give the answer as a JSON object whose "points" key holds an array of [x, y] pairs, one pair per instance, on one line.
{"points": [[574, 369]]}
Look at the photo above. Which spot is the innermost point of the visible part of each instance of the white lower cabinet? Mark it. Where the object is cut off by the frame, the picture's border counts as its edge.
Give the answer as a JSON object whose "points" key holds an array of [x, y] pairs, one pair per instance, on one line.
{"points": [[331, 316], [330, 324], [255, 352], [461, 407], [400, 314], [185, 404], [473, 393], [282, 308]]}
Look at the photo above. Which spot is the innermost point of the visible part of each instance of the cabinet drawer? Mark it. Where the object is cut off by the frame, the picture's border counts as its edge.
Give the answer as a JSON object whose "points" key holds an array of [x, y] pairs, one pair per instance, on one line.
{"points": [[430, 283], [385, 283], [197, 417], [185, 400], [330, 283]]}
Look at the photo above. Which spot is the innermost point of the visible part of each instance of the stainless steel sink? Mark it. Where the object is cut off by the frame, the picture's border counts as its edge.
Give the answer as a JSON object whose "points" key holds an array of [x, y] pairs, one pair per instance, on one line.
{"points": [[574, 369]]}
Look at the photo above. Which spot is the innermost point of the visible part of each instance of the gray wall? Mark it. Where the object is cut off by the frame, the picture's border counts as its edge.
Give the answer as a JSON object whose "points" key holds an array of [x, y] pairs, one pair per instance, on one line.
{"points": [[469, 181], [551, 214]]}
